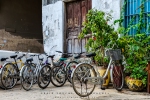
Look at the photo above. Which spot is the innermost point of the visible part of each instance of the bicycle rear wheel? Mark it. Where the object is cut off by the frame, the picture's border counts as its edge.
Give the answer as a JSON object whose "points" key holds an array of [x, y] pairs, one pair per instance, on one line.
{"points": [[27, 77], [44, 76], [117, 77], [83, 87], [58, 76], [8, 75]]}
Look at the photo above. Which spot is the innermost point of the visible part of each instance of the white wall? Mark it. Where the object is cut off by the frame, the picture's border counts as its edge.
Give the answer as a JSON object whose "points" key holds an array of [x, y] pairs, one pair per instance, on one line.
{"points": [[52, 20], [107, 6]]}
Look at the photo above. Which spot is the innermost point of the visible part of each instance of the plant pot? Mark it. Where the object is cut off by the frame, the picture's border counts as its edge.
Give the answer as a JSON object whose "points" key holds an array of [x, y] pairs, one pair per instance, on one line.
{"points": [[102, 71], [134, 84]]}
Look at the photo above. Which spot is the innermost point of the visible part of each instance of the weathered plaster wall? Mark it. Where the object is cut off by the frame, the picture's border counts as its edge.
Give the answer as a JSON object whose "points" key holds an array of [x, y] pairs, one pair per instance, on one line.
{"points": [[52, 20], [107, 6]]}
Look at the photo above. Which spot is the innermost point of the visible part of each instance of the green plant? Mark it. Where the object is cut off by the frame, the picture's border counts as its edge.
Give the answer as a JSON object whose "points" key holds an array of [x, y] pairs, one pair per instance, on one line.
{"points": [[102, 33], [135, 47]]}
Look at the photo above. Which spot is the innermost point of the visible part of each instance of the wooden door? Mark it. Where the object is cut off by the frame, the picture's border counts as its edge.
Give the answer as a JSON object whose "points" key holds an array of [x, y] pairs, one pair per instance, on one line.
{"points": [[75, 14]]}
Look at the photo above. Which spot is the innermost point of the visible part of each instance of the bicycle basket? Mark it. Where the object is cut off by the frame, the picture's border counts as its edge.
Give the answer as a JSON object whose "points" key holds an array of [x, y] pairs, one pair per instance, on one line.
{"points": [[115, 54]]}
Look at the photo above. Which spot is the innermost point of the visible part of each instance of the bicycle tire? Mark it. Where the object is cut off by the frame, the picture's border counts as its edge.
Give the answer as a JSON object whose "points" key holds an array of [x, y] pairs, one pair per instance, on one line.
{"points": [[27, 76], [117, 77], [78, 75], [11, 71], [33, 68], [69, 69], [58, 75], [42, 77]]}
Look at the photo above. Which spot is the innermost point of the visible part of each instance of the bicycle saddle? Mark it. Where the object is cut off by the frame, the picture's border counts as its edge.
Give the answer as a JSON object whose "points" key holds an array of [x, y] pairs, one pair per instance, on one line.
{"points": [[91, 55], [20, 57], [63, 59], [29, 60], [51, 56], [41, 59], [13, 56], [78, 56], [3, 59]]}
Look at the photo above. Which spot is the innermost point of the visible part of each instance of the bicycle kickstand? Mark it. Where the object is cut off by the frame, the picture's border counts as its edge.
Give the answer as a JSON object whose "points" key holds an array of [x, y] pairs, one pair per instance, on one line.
{"points": [[101, 86], [21, 84]]}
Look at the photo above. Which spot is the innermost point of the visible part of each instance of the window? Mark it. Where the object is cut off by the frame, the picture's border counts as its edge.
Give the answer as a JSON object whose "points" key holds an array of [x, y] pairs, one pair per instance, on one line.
{"points": [[47, 2], [132, 10]]}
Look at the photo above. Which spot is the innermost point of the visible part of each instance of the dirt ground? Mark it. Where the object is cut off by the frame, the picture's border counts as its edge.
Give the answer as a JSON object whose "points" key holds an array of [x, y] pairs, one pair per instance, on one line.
{"points": [[66, 93]]}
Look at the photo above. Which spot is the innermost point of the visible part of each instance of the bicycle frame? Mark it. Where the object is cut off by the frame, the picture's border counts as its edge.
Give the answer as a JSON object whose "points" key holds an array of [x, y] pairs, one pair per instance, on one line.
{"points": [[101, 78], [38, 66]]}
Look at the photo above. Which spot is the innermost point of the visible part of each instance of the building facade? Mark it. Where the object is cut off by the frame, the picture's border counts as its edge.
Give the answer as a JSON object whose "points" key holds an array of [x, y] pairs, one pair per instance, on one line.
{"points": [[62, 22]]}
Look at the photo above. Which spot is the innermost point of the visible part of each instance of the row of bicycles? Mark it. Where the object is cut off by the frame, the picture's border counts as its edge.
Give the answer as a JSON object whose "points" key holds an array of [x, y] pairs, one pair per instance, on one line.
{"points": [[83, 75], [41, 72]]}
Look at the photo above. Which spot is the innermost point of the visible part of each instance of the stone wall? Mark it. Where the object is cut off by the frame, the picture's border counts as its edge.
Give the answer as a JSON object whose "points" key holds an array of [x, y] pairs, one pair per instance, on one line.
{"points": [[17, 43]]}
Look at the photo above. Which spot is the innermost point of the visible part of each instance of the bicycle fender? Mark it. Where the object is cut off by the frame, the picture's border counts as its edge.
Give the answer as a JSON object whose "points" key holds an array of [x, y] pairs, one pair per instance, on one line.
{"points": [[75, 69]]}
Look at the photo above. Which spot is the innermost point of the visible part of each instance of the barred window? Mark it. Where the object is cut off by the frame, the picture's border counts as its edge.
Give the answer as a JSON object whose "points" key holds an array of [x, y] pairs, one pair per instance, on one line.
{"points": [[47, 2], [132, 12]]}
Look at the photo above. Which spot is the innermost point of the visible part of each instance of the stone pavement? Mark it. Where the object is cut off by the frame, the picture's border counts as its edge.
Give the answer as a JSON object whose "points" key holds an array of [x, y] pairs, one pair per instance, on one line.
{"points": [[66, 93]]}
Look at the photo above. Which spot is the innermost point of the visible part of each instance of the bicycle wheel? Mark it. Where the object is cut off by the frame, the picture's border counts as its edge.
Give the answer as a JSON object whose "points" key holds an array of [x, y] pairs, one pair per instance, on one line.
{"points": [[58, 76], [27, 77], [8, 74], [71, 66], [83, 87], [117, 77], [43, 79], [33, 67]]}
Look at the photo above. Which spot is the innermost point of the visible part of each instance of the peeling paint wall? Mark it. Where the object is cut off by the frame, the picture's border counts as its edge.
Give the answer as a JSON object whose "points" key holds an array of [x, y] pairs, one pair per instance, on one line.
{"points": [[52, 20]]}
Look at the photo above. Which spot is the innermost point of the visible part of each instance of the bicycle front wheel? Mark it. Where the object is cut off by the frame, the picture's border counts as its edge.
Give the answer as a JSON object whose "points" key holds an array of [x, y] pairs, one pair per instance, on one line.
{"points": [[44, 76], [8, 76], [80, 82], [117, 77], [27, 77], [58, 76]]}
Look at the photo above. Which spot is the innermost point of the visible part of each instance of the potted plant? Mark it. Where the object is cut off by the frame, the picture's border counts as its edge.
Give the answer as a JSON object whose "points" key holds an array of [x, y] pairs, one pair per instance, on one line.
{"points": [[102, 34]]}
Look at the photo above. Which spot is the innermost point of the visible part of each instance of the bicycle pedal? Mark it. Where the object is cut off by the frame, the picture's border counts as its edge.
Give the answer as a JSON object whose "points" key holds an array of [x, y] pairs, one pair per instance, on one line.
{"points": [[102, 88]]}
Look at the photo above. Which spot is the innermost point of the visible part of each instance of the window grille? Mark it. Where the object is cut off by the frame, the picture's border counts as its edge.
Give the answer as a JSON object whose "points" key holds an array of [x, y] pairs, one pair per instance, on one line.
{"points": [[132, 10]]}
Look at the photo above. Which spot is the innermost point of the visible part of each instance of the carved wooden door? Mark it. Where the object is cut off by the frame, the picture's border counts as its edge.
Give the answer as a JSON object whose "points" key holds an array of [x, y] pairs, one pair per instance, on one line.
{"points": [[75, 14]]}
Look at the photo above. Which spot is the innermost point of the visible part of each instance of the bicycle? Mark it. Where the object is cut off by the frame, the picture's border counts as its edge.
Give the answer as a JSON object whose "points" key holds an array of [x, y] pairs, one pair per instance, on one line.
{"points": [[29, 72], [43, 78], [10, 71], [87, 75]]}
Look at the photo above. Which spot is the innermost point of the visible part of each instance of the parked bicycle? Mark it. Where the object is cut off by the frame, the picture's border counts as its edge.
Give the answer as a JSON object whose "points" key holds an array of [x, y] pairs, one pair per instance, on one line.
{"points": [[10, 71], [29, 72], [43, 78], [86, 76]]}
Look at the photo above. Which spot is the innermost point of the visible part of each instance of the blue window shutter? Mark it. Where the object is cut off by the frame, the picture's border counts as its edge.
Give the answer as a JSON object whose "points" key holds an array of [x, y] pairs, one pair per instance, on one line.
{"points": [[132, 10]]}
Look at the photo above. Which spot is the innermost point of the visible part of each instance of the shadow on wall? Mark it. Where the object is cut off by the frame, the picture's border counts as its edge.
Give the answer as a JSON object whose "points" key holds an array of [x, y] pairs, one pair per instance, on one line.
{"points": [[17, 43]]}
